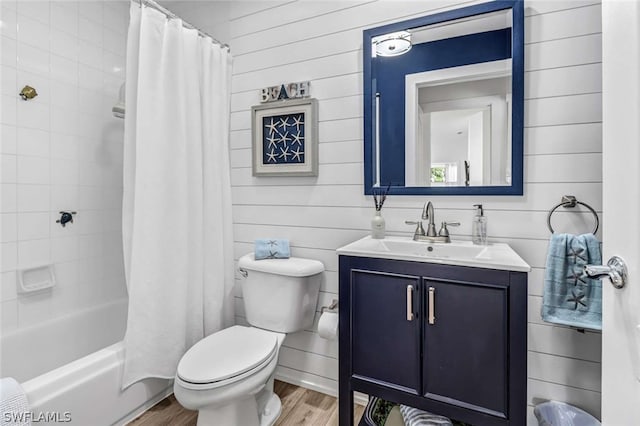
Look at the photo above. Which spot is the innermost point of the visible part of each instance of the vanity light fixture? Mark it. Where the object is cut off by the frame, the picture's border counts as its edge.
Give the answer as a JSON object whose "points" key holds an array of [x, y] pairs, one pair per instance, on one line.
{"points": [[393, 44]]}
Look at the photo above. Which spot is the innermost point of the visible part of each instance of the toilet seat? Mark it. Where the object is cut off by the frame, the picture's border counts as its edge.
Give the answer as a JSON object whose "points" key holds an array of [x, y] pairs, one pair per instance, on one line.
{"points": [[227, 356]]}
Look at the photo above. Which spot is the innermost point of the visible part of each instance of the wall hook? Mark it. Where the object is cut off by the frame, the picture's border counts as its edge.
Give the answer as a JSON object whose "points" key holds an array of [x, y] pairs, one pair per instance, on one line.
{"points": [[28, 92], [65, 217]]}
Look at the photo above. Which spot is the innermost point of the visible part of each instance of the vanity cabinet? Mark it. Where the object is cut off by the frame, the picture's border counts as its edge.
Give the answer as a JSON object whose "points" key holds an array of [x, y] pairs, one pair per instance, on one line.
{"points": [[451, 340]]}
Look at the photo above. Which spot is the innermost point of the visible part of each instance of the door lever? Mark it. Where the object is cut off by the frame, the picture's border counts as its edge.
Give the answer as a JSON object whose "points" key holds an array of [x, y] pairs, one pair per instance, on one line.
{"points": [[615, 269]]}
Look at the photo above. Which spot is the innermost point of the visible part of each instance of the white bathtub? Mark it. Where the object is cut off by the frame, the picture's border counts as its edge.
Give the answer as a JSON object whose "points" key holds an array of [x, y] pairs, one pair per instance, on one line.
{"points": [[87, 388]]}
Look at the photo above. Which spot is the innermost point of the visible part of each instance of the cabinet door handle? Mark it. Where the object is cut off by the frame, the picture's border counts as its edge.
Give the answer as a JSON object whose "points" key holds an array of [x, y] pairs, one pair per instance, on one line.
{"points": [[432, 305], [409, 303]]}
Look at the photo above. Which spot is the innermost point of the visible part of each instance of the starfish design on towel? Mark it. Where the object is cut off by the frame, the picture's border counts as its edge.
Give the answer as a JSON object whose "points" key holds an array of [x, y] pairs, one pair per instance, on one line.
{"points": [[577, 253], [272, 243], [576, 299], [576, 278], [272, 254]]}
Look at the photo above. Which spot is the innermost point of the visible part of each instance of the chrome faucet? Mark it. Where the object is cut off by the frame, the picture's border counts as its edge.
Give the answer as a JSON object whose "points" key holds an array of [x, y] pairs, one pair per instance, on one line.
{"points": [[427, 213], [431, 235]]}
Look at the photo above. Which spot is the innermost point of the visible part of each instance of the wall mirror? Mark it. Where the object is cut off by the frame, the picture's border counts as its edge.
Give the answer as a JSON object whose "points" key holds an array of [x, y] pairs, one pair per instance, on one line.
{"points": [[443, 102]]}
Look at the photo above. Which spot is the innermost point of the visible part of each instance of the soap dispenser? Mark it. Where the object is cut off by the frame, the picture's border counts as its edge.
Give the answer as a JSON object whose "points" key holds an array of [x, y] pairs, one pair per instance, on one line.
{"points": [[479, 227]]}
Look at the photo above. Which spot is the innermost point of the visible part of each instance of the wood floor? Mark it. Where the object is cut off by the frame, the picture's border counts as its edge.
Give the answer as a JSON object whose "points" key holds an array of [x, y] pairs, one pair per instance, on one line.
{"points": [[300, 406]]}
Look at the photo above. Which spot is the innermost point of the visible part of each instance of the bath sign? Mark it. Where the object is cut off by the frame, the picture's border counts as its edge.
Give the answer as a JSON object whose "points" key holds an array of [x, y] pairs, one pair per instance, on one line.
{"points": [[285, 91]]}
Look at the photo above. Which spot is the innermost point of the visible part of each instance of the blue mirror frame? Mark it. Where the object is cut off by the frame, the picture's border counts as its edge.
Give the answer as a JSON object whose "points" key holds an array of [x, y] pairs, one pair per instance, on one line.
{"points": [[396, 148]]}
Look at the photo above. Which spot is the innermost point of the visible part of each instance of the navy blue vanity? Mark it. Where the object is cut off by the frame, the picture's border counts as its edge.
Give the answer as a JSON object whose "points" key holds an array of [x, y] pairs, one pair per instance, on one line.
{"points": [[448, 339]]}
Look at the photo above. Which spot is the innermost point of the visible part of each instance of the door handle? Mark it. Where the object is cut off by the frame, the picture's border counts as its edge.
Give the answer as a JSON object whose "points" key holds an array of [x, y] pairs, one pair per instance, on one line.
{"points": [[409, 303], [615, 269], [432, 305]]}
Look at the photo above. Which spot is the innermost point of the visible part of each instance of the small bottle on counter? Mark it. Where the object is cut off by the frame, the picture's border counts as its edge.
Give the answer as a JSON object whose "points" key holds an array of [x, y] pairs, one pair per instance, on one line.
{"points": [[479, 226]]}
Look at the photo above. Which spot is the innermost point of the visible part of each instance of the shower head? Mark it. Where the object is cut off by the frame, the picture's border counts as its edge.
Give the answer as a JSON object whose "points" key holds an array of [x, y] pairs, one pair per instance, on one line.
{"points": [[119, 108]]}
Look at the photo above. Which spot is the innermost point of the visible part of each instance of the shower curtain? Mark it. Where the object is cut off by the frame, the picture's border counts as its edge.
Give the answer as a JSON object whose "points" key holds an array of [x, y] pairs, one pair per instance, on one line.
{"points": [[177, 223]]}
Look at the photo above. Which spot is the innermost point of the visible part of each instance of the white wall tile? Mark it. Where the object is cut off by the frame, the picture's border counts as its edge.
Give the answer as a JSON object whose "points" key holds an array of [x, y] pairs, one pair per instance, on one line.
{"points": [[64, 69], [33, 226], [9, 256], [33, 114], [9, 168], [34, 253], [33, 142], [9, 27], [89, 31], [33, 32], [91, 9], [64, 146], [34, 59], [89, 54], [38, 10], [9, 114], [64, 17], [8, 286], [89, 77], [8, 197], [8, 141], [64, 44], [64, 172], [9, 81], [9, 230], [33, 170], [64, 197], [9, 53], [65, 249], [33, 198], [9, 311], [63, 93]]}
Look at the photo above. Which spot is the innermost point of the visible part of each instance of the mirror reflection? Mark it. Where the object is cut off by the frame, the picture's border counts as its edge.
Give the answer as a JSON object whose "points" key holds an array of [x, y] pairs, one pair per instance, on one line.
{"points": [[457, 126], [444, 101]]}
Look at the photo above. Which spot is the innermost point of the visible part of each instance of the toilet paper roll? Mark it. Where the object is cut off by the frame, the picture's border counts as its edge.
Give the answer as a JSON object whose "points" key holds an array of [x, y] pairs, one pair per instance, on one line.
{"points": [[328, 325]]}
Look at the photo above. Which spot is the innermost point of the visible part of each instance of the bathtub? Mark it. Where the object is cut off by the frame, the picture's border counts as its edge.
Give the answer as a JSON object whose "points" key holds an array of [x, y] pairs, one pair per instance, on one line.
{"points": [[86, 388]]}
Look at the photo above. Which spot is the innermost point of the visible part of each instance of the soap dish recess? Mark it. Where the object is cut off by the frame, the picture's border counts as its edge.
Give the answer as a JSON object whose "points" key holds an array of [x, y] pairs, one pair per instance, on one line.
{"points": [[35, 279]]}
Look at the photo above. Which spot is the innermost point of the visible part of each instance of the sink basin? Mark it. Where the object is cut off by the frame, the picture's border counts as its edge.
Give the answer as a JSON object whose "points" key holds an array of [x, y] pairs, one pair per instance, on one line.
{"points": [[462, 253]]}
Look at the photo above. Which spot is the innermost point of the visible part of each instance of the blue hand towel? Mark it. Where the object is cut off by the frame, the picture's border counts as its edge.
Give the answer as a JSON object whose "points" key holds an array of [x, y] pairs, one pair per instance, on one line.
{"points": [[271, 249], [570, 297]]}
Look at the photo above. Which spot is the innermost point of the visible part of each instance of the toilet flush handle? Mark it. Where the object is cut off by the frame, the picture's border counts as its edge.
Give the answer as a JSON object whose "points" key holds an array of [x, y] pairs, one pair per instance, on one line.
{"points": [[243, 272]]}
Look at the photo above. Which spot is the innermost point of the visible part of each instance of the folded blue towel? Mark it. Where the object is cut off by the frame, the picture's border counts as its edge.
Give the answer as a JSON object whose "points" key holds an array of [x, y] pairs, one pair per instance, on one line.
{"points": [[272, 249], [570, 297]]}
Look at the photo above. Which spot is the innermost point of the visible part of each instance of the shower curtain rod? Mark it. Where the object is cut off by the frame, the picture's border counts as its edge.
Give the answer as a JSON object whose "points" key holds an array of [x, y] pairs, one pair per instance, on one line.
{"points": [[170, 14]]}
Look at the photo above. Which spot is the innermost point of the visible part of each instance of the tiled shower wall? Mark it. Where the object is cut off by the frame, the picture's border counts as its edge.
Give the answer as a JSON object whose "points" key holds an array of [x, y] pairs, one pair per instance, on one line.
{"points": [[61, 151]]}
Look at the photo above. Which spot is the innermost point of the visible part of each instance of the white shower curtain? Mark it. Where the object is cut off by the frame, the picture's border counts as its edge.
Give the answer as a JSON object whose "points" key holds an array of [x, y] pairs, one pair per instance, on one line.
{"points": [[177, 223]]}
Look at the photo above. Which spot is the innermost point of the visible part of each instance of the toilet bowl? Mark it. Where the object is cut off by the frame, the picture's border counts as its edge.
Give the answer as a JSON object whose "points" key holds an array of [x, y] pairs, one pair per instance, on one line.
{"points": [[228, 376]]}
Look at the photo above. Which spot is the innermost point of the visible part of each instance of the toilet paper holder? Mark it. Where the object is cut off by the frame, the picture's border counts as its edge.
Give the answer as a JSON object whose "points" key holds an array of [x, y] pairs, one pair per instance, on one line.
{"points": [[332, 307]]}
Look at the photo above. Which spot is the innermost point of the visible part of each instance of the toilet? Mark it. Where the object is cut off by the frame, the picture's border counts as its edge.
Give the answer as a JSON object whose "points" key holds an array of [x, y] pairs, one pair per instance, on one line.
{"points": [[228, 375]]}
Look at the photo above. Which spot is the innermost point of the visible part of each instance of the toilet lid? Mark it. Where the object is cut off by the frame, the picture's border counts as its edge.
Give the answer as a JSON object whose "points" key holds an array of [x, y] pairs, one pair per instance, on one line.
{"points": [[227, 353]]}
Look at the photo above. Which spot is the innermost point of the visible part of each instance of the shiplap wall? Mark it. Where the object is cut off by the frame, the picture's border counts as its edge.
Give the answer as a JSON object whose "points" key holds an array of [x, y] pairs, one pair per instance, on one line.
{"points": [[276, 42]]}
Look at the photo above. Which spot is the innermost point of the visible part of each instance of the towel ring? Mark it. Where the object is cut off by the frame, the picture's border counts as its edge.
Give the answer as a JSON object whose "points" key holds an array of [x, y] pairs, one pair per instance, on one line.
{"points": [[570, 201]]}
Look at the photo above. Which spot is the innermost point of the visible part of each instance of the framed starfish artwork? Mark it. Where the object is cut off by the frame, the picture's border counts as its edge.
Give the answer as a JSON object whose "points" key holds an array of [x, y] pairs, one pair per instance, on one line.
{"points": [[285, 138]]}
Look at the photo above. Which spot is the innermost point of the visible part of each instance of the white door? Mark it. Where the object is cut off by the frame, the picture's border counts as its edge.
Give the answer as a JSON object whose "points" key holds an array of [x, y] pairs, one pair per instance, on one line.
{"points": [[621, 211]]}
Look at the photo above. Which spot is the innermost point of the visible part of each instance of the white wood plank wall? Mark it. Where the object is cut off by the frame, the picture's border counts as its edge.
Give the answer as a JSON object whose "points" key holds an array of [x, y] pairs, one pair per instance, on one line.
{"points": [[321, 41]]}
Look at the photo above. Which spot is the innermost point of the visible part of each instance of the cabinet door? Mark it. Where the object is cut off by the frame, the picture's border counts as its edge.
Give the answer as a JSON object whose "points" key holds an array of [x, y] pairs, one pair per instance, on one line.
{"points": [[466, 345], [385, 329]]}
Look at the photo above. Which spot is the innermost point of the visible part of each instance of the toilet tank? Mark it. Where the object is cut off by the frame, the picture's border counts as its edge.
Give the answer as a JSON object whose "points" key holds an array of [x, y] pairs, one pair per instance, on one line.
{"points": [[280, 294]]}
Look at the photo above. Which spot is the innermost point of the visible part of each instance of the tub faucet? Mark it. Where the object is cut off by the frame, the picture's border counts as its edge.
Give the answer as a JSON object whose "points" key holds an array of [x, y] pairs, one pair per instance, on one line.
{"points": [[427, 213]]}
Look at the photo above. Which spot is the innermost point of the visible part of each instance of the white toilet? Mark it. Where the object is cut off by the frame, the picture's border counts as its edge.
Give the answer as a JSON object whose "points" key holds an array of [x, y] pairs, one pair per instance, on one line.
{"points": [[228, 375]]}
